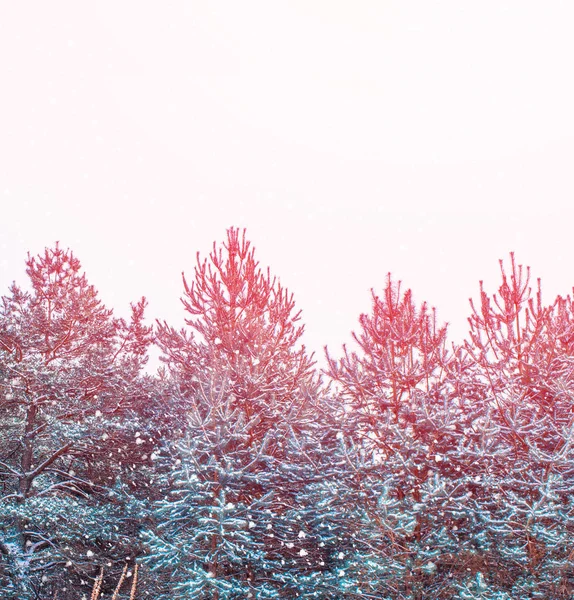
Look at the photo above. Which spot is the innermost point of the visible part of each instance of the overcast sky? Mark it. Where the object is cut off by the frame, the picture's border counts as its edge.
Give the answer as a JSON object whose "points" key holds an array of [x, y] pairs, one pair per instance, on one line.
{"points": [[428, 139]]}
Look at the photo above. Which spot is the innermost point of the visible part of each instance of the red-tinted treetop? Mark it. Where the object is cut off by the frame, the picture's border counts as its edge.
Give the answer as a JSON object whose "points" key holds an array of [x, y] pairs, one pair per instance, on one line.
{"points": [[62, 320], [247, 326], [513, 335], [401, 348]]}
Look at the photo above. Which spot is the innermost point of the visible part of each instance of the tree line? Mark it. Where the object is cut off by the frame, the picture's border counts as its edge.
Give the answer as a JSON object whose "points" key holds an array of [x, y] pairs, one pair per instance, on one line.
{"points": [[408, 468]]}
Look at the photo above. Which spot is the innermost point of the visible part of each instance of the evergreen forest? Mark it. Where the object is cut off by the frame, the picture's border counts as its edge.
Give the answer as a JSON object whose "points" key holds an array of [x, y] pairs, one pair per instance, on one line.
{"points": [[410, 467]]}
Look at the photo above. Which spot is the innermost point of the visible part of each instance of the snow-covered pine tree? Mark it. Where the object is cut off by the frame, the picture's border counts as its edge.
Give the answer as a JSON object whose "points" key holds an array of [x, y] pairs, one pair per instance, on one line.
{"points": [[402, 349], [242, 388], [521, 359], [209, 538], [475, 459], [69, 375], [241, 321], [397, 440]]}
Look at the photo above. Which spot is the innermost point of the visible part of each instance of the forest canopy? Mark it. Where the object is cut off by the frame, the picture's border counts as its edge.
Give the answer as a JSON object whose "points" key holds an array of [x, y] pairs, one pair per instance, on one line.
{"points": [[410, 467]]}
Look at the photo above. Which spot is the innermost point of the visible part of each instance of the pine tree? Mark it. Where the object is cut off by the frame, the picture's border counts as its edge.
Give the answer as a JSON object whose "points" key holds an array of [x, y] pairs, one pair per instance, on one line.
{"points": [[520, 356], [242, 322], [208, 541], [69, 374], [243, 390], [396, 435]]}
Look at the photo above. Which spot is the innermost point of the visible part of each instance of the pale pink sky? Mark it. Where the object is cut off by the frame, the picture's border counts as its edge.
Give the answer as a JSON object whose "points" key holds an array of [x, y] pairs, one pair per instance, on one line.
{"points": [[424, 138]]}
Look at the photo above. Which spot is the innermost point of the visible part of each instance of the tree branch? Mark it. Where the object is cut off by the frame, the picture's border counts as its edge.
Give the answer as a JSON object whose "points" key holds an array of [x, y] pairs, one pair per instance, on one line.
{"points": [[42, 466]]}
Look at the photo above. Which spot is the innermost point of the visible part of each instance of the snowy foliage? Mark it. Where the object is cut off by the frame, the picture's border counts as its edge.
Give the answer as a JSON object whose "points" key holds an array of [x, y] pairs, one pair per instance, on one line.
{"points": [[411, 471], [69, 379]]}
